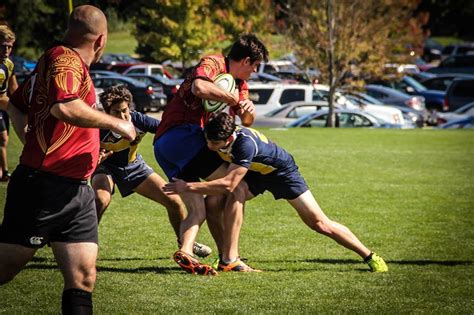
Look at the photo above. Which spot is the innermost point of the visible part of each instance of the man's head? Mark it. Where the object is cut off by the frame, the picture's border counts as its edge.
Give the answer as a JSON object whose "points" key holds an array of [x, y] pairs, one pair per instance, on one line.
{"points": [[247, 53], [219, 132], [87, 26], [7, 39], [117, 101]]}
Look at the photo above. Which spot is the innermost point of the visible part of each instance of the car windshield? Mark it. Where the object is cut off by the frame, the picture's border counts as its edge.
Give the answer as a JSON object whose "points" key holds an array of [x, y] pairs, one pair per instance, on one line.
{"points": [[415, 84], [275, 111]]}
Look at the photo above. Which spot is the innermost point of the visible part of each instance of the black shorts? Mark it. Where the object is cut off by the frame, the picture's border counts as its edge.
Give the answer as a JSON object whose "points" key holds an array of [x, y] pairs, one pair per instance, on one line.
{"points": [[283, 184], [128, 177], [4, 121], [41, 208], [201, 166]]}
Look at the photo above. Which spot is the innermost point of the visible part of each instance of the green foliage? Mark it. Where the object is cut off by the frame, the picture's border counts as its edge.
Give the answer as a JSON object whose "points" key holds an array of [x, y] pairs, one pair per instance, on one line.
{"points": [[174, 29], [407, 194], [122, 42]]}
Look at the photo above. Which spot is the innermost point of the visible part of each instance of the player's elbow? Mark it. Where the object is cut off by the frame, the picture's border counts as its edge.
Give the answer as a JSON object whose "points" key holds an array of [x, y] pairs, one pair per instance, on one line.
{"points": [[198, 89]]}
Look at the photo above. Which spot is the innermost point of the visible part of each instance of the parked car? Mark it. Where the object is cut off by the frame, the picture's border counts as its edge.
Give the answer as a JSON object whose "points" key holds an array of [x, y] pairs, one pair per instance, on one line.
{"points": [[455, 64], [102, 73], [148, 69], [115, 62], [443, 81], [345, 118], [270, 96], [389, 96], [462, 112], [459, 93], [145, 97], [170, 86], [411, 117], [287, 113], [22, 65], [433, 99], [467, 122], [457, 49]]}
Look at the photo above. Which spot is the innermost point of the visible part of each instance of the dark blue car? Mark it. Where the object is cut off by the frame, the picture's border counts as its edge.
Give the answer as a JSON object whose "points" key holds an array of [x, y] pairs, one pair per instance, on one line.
{"points": [[433, 98]]}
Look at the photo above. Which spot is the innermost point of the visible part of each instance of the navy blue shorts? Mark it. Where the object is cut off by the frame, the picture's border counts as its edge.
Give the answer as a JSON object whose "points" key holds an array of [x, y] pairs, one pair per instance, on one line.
{"points": [[126, 178], [182, 152], [41, 208], [283, 184], [4, 121]]}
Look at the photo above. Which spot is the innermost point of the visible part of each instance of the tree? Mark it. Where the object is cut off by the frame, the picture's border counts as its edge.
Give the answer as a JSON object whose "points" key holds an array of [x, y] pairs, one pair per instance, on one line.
{"points": [[344, 37], [174, 29]]}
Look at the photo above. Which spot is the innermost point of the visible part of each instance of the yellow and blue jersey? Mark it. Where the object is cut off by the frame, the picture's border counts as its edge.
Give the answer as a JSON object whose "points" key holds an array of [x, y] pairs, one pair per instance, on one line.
{"points": [[125, 151], [253, 150], [6, 71]]}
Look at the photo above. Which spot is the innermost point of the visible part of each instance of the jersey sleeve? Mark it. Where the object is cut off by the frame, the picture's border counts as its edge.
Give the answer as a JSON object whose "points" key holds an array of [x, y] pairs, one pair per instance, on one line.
{"points": [[19, 98], [144, 122], [243, 152], [207, 69], [64, 76]]}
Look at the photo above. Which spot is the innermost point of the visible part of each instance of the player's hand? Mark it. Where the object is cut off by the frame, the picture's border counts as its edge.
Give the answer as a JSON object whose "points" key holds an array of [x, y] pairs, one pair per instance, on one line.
{"points": [[126, 129], [246, 106], [176, 186], [104, 155]]}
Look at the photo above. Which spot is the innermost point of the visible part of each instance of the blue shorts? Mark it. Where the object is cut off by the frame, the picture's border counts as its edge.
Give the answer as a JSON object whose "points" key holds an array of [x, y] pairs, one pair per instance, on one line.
{"points": [[4, 121], [126, 178], [182, 152], [283, 184]]}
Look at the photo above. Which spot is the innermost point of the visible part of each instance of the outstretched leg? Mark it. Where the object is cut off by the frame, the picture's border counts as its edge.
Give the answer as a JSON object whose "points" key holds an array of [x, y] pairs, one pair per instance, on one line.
{"points": [[103, 186], [310, 212], [13, 259]]}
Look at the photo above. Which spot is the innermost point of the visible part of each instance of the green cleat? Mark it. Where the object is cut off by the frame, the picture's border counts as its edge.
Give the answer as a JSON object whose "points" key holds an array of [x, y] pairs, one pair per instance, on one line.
{"points": [[376, 263]]}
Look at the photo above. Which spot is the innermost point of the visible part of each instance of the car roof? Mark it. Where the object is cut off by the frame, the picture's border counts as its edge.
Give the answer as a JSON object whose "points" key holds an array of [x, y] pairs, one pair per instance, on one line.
{"points": [[121, 77], [386, 90]]}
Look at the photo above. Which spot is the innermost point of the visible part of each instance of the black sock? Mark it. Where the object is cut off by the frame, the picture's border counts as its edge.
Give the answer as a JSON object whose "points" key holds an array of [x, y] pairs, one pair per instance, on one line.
{"points": [[368, 258], [77, 302]]}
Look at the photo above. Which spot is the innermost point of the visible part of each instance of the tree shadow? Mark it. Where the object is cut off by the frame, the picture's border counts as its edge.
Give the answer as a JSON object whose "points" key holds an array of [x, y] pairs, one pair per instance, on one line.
{"points": [[420, 262]]}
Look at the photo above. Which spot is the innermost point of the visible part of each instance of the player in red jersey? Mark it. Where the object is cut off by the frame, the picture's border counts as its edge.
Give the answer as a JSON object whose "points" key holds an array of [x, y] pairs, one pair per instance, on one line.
{"points": [[53, 113], [180, 146]]}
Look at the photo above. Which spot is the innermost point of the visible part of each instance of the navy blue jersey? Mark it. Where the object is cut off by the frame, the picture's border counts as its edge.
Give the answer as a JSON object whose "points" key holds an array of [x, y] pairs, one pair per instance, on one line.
{"points": [[6, 71], [125, 151], [254, 151]]}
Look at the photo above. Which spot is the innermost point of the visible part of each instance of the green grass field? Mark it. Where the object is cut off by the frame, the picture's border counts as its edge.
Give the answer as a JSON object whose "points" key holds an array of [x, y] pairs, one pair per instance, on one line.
{"points": [[409, 195]]}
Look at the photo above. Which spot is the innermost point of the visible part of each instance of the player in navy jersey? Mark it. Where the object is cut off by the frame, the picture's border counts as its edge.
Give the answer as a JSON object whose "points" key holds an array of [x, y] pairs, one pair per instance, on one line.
{"points": [[8, 86], [264, 166], [121, 165]]}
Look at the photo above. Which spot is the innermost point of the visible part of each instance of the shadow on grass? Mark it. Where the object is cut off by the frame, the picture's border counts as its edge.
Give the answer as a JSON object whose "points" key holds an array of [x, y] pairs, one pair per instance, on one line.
{"points": [[396, 262]]}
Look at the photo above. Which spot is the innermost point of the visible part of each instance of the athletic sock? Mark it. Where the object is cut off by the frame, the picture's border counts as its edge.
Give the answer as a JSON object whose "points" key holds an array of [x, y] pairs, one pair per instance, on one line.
{"points": [[76, 302], [368, 258]]}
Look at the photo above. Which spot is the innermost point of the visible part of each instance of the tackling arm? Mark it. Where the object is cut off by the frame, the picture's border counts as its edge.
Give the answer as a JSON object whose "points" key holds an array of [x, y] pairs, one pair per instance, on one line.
{"points": [[78, 113], [209, 91], [19, 121], [224, 185]]}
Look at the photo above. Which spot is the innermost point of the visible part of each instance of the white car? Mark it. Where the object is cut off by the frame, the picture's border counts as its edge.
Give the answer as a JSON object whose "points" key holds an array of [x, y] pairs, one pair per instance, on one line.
{"points": [[270, 96], [148, 69]]}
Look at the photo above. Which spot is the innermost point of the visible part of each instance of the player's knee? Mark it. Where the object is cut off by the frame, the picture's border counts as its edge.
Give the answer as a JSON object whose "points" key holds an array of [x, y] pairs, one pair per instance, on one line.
{"points": [[214, 203], [102, 201], [88, 277], [3, 141], [322, 227]]}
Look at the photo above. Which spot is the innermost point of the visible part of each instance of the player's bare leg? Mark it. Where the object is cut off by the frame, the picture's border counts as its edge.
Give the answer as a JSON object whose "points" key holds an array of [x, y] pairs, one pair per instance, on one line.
{"points": [[310, 212], [77, 262], [215, 219], [3, 154], [103, 186], [13, 259], [152, 188]]}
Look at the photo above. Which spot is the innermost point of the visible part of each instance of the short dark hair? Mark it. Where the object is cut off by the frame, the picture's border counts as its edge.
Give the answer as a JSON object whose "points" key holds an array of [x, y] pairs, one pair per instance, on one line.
{"points": [[115, 95], [220, 127], [248, 45]]}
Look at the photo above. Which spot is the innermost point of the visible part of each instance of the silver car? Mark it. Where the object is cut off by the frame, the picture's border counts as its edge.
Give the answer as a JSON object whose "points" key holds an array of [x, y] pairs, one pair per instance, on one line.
{"points": [[287, 113]]}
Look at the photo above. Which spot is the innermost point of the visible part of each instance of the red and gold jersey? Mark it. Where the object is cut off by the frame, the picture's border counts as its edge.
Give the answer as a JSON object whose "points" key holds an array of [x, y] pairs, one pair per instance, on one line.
{"points": [[53, 145], [185, 107]]}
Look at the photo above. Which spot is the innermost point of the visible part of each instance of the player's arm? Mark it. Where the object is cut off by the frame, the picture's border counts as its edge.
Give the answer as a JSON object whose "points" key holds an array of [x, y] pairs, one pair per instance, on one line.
{"points": [[12, 84], [224, 185], [246, 111], [78, 113], [19, 120], [209, 91]]}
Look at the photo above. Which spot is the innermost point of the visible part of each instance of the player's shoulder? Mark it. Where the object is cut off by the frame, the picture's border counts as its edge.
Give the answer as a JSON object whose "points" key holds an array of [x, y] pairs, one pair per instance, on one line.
{"points": [[64, 56], [9, 64]]}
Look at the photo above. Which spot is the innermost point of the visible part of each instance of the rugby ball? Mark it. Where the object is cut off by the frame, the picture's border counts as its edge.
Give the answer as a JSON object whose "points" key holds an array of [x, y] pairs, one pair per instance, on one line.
{"points": [[226, 82]]}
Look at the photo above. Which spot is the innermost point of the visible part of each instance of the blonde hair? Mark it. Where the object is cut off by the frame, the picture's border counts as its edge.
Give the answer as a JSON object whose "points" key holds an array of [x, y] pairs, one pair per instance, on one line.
{"points": [[6, 33]]}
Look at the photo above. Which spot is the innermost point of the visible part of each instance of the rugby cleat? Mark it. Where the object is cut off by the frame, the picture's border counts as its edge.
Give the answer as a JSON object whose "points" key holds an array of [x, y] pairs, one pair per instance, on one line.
{"points": [[237, 265], [376, 263], [201, 250], [192, 265]]}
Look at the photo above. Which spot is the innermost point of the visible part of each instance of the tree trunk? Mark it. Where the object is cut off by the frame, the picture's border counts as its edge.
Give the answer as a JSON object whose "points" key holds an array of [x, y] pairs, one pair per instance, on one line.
{"points": [[331, 119]]}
